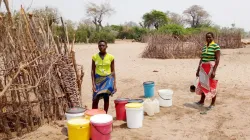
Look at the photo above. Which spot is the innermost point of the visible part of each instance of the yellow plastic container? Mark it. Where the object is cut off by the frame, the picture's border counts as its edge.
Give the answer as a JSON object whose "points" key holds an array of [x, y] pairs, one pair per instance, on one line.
{"points": [[78, 129]]}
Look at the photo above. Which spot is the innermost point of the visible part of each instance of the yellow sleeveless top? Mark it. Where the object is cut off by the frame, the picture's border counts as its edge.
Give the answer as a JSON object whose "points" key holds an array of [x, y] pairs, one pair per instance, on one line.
{"points": [[103, 67]]}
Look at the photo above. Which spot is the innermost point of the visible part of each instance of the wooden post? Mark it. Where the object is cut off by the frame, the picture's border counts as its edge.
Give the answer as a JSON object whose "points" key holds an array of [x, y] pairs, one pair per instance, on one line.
{"points": [[64, 37]]}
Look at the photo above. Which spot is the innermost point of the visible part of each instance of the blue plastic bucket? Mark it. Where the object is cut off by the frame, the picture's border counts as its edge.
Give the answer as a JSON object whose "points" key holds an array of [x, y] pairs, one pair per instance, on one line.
{"points": [[149, 88]]}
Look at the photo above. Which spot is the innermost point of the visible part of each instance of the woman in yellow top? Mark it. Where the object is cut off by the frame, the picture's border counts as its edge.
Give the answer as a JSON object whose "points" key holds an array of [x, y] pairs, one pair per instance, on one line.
{"points": [[103, 76]]}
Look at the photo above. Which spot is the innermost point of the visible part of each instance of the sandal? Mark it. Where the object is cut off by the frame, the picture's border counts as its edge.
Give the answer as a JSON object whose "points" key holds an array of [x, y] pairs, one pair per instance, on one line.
{"points": [[211, 107], [199, 104]]}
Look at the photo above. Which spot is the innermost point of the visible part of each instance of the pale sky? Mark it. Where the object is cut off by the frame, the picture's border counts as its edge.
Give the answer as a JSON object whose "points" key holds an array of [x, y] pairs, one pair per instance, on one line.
{"points": [[223, 12]]}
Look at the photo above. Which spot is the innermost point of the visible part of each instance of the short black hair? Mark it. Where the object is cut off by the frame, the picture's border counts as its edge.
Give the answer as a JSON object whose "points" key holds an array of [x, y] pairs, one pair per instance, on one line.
{"points": [[102, 41], [212, 34]]}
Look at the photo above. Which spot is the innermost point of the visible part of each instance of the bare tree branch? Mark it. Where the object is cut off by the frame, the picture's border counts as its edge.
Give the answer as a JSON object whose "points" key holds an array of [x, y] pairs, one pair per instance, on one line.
{"points": [[196, 16], [98, 12]]}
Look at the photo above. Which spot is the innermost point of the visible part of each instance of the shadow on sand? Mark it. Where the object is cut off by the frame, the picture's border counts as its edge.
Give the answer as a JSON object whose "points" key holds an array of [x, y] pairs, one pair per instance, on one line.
{"points": [[124, 125], [195, 106]]}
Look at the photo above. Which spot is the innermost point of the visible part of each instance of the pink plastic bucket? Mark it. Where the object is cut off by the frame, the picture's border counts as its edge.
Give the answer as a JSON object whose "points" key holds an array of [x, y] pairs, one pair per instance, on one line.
{"points": [[101, 127]]}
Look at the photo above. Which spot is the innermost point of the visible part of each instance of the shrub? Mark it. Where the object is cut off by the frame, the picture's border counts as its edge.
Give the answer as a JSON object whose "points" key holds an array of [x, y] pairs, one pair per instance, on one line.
{"points": [[102, 35], [190, 31], [132, 33], [81, 36], [139, 32], [172, 29]]}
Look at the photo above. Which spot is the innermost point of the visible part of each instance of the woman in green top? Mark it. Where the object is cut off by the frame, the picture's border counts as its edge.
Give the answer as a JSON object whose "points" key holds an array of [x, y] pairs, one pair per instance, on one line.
{"points": [[103, 76], [206, 71]]}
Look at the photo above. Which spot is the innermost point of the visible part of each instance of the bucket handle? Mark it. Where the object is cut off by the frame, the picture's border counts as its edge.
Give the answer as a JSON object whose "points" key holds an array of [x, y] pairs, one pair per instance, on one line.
{"points": [[162, 97], [100, 131]]}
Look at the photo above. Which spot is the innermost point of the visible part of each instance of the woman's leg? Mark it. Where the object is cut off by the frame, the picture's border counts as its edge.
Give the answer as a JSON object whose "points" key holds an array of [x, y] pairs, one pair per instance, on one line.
{"points": [[95, 102], [202, 100], [106, 103], [213, 101]]}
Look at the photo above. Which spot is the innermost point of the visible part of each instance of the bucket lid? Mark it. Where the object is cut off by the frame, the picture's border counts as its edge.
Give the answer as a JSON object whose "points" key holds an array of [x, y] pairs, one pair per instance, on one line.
{"points": [[101, 118], [163, 92], [135, 101], [121, 100], [134, 105], [79, 121], [75, 110], [148, 82], [93, 112]]}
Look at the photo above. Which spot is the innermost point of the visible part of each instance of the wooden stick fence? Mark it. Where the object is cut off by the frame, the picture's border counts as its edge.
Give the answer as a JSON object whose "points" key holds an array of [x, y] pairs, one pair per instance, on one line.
{"points": [[39, 78]]}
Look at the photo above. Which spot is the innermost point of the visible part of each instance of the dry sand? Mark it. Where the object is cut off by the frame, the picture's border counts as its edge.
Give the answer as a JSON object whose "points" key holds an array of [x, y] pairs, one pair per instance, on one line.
{"points": [[228, 121]]}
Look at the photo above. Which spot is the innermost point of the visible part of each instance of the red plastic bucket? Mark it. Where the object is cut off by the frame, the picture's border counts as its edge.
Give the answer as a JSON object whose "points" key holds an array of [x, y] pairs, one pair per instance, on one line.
{"points": [[120, 108], [101, 127]]}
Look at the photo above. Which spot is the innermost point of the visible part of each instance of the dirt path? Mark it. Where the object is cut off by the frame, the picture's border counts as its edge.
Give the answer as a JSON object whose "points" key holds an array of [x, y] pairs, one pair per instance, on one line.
{"points": [[228, 121]]}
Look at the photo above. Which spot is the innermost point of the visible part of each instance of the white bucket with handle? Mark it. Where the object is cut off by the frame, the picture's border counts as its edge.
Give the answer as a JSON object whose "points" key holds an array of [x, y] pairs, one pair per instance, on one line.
{"points": [[165, 97]]}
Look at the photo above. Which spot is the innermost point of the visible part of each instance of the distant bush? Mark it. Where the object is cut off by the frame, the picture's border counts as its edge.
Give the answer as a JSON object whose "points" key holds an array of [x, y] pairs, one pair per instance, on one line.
{"points": [[125, 32], [132, 33], [102, 35], [190, 31], [172, 29], [139, 32], [81, 36]]}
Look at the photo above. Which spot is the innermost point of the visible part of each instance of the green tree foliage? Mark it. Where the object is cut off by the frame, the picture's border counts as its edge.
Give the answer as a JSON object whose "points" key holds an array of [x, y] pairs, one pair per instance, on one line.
{"points": [[131, 32], [71, 29], [102, 35], [155, 18], [173, 29]]}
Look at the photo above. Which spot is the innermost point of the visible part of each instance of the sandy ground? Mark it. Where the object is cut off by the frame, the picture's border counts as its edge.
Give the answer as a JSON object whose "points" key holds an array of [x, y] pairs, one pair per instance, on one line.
{"points": [[228, 121]]}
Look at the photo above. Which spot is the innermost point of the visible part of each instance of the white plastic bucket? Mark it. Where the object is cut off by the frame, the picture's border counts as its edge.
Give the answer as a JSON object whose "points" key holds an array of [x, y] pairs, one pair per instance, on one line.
{"points": [[134, 117], [70, 116], [165, 97]]}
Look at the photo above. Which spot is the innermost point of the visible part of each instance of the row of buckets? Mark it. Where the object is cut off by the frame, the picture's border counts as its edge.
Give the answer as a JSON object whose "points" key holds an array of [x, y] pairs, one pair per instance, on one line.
{"points": [[130, 110], [92, 124], [164, 95], [95, 124]]}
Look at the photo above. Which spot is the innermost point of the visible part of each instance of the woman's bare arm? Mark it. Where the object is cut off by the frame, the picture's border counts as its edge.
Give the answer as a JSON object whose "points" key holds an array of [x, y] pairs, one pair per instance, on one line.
{"points": [[93, 73], [198, 69], [217, 60], [113, 72]]}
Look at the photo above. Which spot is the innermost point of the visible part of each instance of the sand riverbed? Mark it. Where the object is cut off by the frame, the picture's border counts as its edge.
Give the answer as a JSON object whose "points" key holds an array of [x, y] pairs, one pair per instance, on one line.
{"points": [[228, 121]]}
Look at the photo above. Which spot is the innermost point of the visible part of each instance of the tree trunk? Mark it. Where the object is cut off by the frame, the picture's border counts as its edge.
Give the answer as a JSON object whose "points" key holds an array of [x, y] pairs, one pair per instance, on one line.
{"points": [[156, 26]]}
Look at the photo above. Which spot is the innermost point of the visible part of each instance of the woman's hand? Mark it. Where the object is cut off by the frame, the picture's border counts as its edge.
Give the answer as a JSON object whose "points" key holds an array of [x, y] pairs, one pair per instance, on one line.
{"points": [[94, 88], [197, 73], [115, 89], [213, 74]]}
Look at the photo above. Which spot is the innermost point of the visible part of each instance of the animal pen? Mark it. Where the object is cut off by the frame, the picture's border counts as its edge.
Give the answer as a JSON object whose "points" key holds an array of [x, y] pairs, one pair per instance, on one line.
{"points": [[164, 46], [39, 78]]}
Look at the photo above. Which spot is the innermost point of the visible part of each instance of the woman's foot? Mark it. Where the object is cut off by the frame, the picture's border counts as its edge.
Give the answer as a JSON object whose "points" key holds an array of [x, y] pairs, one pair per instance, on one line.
{"points": [[211, 107], [199, 103]]}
